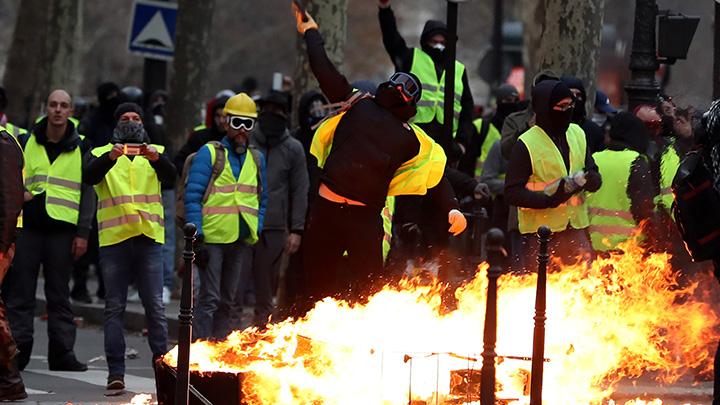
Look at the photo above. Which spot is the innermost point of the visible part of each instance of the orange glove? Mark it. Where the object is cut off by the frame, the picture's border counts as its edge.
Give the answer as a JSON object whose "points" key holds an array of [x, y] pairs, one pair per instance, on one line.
{"points": [[457, 221], [303, 26]]}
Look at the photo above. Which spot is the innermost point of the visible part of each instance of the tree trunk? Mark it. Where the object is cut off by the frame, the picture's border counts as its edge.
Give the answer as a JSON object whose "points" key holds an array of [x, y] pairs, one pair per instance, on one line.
{"points": [[570, 43], [331, 16], [25, 56], [192, 53], [64, 44]]}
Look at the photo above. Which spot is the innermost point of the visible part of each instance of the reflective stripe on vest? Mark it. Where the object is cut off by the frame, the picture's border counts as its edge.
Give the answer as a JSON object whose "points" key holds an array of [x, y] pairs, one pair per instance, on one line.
{"points": [[669, 164], [129, 200], [432, 99], [611, 221], [548, 167], [493, 135], [387, 216], [231, 199], [61, 180]]}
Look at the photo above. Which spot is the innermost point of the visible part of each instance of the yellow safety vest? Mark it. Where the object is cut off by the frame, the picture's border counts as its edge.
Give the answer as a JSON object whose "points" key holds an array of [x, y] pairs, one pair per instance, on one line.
{"points": [[413, 177], [548, 166], [20, 217], [432, 99], [611, 221], [61, 180], [387, 217], [493, 135], [129, 200], [669, 164], [15, 130], [231, 198]]}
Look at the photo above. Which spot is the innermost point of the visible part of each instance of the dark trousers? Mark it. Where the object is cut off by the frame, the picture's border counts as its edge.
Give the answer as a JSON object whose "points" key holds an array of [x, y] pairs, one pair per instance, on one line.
{"points": [[332, 230], [52, 250], [267, 256], [10, 379]]}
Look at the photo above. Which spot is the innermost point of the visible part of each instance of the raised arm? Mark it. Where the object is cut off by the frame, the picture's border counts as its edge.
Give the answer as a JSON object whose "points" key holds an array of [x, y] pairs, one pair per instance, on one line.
{"points": [[394, 43], [335, 86]]}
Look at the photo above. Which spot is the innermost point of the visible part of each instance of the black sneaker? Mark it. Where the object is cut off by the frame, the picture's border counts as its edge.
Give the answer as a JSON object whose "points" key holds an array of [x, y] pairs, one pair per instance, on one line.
{"points": [[69, 365], [115, 382]]}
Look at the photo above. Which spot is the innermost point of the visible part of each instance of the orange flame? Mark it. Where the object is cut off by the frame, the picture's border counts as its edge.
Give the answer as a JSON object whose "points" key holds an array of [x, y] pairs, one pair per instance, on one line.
{"points": [[616, 317]]}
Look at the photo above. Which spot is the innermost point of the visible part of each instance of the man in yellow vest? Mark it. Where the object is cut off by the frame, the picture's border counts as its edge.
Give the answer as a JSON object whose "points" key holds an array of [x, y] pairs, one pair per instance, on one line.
{"points": [[626, 196], [428, 64], [228, 209], [548, 172], [127, 174], [367, 152], [11, 202], [57, 217]]}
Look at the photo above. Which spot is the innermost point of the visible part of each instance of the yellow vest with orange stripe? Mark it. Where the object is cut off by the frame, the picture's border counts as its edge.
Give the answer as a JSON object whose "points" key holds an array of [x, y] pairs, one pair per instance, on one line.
{"points": [[611, 221], [231, 198], [129, 200], [548, 166], [61, 180]]}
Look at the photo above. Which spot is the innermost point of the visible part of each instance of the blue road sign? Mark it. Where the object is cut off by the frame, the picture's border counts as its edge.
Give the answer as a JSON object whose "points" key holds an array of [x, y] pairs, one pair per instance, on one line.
{"points": [[152, 29]]}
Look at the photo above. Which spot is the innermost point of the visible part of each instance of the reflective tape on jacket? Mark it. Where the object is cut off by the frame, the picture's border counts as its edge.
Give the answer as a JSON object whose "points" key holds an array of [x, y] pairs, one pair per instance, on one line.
{"points": [[61, 180], [232, 200], [432, 99], [611, 221], [129, 200], [548, 167]]}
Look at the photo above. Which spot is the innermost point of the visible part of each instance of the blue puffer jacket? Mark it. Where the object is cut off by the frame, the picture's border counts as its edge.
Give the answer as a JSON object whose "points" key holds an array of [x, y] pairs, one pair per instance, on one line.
{"points": [[199, 177]]}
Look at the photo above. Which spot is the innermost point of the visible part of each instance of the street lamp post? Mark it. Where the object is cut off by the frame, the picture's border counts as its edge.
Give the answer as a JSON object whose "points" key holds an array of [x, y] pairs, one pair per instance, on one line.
{"points": [[643, 88], [716, 61], [450, 57]]}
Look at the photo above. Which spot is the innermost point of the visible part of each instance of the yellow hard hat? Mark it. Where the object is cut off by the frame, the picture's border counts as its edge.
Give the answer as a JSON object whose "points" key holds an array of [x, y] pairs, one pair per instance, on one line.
{"points": [[240, 104]]}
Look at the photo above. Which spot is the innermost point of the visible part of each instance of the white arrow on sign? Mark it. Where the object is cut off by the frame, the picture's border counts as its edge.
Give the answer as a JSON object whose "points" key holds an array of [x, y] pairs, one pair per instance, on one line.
{"points": [[155, 34]]}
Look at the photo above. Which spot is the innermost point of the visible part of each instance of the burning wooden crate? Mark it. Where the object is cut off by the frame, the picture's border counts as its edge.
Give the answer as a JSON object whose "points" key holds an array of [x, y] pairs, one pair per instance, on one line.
{"points": [[217, 387]]}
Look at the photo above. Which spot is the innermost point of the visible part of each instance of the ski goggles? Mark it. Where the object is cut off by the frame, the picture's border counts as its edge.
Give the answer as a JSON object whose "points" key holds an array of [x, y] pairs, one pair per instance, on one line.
{"points": [[409, 88], [237, 122]]}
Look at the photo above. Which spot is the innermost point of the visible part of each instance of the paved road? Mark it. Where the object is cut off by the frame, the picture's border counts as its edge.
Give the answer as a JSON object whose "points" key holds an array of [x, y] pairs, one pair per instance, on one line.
{"points": [[53, 387]]}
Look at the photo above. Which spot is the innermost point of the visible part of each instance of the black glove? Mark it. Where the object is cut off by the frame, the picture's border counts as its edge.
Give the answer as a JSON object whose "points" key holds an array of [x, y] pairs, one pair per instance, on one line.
{"points": [[481, 191], [593, 181], [201, 254], [560, 195]]}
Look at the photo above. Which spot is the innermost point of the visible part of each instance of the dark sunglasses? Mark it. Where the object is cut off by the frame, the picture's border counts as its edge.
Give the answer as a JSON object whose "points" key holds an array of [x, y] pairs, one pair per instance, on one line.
{"points": [[241, 122], [408, 87]]}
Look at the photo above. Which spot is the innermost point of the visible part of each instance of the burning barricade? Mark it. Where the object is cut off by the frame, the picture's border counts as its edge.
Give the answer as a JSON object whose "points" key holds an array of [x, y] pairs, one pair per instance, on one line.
{"points": [[621, 316]]}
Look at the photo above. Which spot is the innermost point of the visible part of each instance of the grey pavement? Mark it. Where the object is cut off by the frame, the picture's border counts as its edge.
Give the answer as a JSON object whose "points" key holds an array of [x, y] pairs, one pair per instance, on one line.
{"points": [[57, 387]]}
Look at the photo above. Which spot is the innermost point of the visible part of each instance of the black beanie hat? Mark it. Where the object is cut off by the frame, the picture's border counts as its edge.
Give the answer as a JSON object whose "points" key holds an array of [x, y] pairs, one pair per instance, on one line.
{"points": [[127, 107]]}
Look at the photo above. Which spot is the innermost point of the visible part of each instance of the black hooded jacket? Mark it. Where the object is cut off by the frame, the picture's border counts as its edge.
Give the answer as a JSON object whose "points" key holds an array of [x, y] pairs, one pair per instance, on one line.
{"points": [[196, 141], [594, 135], [402, 58], [370, 143], [304, 133], [545, 95]]}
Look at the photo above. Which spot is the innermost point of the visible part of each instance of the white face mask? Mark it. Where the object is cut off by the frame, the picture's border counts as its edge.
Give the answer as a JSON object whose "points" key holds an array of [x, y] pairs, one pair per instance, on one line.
{"points": [[440, 47]]}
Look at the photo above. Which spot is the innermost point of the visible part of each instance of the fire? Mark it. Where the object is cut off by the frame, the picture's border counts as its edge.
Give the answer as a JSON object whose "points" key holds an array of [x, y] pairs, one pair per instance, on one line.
{"points": [[613, 318]]}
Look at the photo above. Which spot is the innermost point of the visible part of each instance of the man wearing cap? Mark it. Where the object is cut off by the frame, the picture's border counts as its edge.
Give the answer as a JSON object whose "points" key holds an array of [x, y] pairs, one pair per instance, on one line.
{"points": [[228, 208], [127, 174], [287, 188], [57, 216], [603, 109], [428, 64]]}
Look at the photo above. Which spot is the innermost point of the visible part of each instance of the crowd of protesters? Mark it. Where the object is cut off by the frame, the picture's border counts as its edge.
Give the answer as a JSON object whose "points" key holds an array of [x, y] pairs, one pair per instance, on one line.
{"points": [[367, 166]]}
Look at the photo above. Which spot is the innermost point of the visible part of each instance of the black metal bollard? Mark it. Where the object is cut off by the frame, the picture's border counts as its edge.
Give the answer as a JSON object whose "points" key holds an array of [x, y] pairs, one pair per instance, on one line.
{"points": [[185, 319], [496, 256], [538, 355]]}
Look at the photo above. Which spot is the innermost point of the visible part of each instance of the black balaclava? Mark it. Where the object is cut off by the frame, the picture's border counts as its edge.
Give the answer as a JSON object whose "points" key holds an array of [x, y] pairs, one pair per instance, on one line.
{"points": [[579, 113], [309, 110], [544, 96], [390, 98], [502, 111], [272, 124], [108, 95], [628, 131], [431, 28]]}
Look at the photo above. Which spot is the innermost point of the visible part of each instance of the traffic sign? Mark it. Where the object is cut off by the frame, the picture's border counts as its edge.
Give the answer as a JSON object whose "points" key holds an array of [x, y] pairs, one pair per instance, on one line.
{"points": [[152, 29]]}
